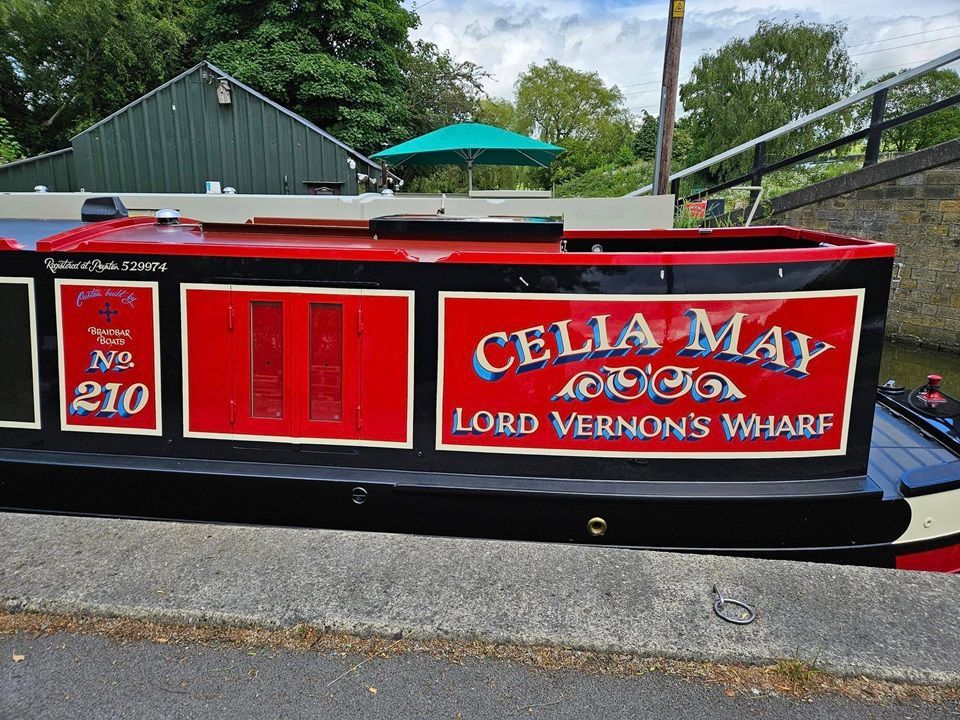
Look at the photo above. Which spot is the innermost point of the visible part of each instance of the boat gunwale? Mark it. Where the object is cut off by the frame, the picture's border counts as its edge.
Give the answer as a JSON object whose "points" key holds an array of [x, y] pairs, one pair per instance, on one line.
{"points": [[251, 239]]}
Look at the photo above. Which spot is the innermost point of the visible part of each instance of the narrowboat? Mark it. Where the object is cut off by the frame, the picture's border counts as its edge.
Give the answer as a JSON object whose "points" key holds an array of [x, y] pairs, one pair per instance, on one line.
{"points": [[710, 390]]}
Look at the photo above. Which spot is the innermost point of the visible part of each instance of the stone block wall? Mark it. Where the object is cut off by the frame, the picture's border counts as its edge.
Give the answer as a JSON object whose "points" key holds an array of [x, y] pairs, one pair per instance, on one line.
{"points": [[919, 211]]}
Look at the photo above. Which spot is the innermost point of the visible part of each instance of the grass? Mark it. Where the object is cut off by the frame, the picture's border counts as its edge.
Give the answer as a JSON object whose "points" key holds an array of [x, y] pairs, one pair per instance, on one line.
{"points": [[800, 675], [790, 677]]}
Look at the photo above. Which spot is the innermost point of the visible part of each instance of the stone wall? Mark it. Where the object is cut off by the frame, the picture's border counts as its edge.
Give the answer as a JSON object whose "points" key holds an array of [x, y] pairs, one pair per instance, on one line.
{"points": [[914, 202]]}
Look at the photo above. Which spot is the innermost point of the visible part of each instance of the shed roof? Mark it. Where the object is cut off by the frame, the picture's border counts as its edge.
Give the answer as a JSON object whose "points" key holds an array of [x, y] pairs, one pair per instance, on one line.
{"points": [[246, 88]]}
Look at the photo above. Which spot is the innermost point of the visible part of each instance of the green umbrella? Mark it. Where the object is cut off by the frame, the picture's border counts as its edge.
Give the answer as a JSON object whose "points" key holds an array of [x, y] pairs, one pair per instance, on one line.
{"points": [[471, 144]]}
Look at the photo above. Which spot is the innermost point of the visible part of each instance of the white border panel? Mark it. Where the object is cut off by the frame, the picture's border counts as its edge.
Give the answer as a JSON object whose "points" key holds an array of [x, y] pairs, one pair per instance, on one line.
{"points": [[704, 297], [157, 429], [32, 303]]}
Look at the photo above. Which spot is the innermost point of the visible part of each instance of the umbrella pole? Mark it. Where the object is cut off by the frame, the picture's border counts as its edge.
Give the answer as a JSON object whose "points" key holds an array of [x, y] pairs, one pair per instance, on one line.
{"points": [[469, 176]]}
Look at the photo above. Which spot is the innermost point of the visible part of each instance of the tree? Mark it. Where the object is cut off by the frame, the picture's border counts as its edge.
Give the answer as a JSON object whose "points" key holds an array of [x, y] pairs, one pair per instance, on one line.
{"points": [[441, 91], [936, 128], [645, 139], [750, 86], [9, 147], [499, 113], [64, 64], [556, 102], [575, 110], [339, 64]]}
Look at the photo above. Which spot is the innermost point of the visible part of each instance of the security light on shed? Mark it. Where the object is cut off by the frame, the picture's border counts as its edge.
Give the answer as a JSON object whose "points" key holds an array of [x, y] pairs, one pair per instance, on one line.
{"points": [[351, 163]]}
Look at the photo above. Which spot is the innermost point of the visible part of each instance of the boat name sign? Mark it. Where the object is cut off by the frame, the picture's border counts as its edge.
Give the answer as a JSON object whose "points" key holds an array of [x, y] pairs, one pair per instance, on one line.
{"points": [[714, 375]]}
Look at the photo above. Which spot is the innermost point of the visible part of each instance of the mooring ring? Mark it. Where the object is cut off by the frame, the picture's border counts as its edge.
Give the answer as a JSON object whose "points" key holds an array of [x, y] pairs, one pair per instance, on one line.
{"points": [[721, 601]]}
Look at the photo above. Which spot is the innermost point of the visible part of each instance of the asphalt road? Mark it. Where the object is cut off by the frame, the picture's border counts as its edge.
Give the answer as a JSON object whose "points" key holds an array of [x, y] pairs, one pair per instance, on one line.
{"points": [[66, 676]]}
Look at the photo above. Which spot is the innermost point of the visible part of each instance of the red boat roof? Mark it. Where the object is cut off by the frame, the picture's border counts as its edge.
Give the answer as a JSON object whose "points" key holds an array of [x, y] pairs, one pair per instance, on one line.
{"points": [[354, 240]]}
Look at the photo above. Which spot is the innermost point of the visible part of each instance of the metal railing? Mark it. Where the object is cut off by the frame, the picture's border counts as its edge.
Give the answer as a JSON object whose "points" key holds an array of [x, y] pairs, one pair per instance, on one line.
{"points": [[871, 132]]}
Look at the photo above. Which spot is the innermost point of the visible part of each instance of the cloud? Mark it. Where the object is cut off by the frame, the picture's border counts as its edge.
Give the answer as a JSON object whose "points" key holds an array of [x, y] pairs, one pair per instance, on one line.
{"points": [[623, 41]]}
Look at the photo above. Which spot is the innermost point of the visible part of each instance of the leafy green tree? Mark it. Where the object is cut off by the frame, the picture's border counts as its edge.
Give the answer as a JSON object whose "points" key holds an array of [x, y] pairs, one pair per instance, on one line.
{"points": [[682, 141], [339, 64], [575, 110], [499, 113], [610, 144], [441, 91], [935, 128], [9, 147], [750, 86], [645, 139], [607, 181], [556, 102], [64, 64]]}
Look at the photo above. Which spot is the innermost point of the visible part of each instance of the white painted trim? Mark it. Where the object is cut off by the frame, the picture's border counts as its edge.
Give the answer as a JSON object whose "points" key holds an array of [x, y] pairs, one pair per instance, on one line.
{"points": [[184, 358], [345, 442], [410, 296], [941, 510], [157, 428], [35, 360], [654, 298], [411, 356], [852, 371], [705, 297]]}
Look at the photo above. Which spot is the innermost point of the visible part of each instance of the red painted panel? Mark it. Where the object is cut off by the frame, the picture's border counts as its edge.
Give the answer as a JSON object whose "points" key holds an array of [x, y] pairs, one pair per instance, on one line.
{"points": [[387, 354], [328, 351], [262, 347], [326, 361], [314, 318], [946, 559], [734, 376], [208, 383], [108, 356], [266, 359]]}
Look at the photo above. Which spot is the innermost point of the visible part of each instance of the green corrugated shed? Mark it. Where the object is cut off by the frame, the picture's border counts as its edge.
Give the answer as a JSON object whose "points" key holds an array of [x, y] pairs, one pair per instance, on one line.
{"points": [[202, 125], [54, 170]]}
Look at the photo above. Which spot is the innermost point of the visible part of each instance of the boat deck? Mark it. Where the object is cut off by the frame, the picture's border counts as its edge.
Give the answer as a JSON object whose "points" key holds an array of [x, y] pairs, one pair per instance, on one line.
{"points": [[897, 447], [28, 232], [490, 240]]}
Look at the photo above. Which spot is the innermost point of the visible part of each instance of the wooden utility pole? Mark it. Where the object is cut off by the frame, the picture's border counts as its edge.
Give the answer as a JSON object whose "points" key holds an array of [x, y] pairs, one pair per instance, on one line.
{"points": [[668, 97]]}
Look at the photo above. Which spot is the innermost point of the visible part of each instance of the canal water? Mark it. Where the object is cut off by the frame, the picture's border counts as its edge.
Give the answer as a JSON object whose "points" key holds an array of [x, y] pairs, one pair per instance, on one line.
{"points": [[910, 365]]}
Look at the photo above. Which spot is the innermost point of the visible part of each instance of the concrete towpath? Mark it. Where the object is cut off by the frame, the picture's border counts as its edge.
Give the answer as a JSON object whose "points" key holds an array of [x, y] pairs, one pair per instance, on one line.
{"points": [[883, 624]]}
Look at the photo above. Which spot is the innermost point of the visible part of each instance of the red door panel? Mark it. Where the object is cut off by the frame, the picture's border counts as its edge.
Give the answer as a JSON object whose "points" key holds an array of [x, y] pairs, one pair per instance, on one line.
{"points": [[386, 367], [326, 385], [208, 375], [297, 365], [261, 369]]}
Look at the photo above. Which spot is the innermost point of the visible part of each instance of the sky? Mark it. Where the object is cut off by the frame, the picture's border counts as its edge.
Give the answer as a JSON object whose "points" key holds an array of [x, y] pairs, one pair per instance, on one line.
{"points": [[622, 40]]}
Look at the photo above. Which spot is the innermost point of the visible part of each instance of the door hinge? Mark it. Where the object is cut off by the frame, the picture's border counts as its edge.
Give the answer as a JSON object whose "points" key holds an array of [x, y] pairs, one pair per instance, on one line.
{"points": [[230, 317], [359, 322], [359, 418], [233, 412]]}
